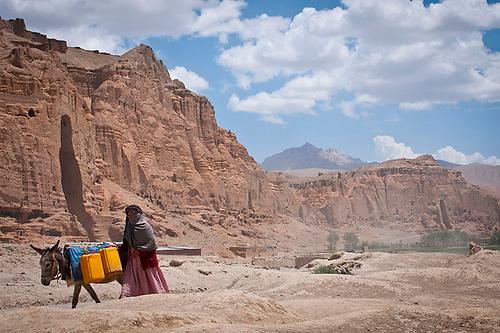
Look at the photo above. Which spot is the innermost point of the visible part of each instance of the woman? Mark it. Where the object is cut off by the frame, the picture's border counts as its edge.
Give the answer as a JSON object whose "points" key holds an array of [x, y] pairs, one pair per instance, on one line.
{"points": [[141, 275]]}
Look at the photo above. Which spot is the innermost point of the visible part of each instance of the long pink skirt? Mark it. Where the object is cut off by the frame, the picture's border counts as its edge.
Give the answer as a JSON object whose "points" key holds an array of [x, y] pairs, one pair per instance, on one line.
{"points": [[138, 281]]}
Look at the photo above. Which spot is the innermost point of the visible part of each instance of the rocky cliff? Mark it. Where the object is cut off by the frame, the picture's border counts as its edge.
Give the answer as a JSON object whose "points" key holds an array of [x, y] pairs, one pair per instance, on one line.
{"points": [[412, 195], [85, 133], [486, 176]]}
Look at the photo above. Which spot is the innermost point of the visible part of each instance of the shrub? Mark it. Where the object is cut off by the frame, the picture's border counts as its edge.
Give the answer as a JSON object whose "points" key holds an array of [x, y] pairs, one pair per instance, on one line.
{"points": [[445, 238], [495, 239], [332, 239], [350, 241], [325, 270]]}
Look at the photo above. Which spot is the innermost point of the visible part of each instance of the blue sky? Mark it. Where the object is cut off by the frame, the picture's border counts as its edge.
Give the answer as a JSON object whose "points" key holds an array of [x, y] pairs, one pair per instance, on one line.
{"points": [[373, 79]]}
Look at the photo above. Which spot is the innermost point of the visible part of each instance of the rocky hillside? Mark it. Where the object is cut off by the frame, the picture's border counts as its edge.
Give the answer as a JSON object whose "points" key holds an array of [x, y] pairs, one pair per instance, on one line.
{"points": [[308, 156], [482, 175], [411, 195], [85, 133], [487, 176]]}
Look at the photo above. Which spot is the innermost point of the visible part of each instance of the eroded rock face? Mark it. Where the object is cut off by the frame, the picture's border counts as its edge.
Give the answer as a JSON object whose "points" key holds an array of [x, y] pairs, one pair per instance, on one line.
{"points": [[39, 101], [78, 128], [84, 134], [159, 140], [408, 194]]}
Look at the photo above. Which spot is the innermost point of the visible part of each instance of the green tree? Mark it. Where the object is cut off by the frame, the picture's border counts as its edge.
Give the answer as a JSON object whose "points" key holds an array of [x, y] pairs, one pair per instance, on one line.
{"points": [[495, 238], [445, 238], [332, 239], [350, 241]]}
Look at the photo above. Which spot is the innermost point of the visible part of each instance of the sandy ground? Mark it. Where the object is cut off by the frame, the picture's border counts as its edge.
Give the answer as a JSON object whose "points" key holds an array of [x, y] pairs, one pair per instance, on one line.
{"points": [[412, 292]]}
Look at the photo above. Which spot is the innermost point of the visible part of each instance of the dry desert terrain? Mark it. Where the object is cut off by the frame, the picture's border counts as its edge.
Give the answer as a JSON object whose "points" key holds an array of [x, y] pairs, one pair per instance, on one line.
{"points": [[411, 292]]}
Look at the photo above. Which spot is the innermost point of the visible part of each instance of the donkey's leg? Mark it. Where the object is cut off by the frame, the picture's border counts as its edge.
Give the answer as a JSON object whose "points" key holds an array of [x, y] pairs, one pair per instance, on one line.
{"points": [[76, 293], [119, 279], [91, 291]]}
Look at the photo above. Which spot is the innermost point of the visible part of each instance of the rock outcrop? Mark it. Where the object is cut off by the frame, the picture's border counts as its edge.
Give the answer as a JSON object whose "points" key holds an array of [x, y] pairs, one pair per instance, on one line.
{"points": [[86, 133], [412, 195], [31, 38], [474, 248], [79, 127]]}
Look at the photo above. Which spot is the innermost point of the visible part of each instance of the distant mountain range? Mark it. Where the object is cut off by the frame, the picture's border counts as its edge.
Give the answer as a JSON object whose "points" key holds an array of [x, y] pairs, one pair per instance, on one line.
{"points": [[309, 160], [308, 157], [486, 176], [448, 165]]}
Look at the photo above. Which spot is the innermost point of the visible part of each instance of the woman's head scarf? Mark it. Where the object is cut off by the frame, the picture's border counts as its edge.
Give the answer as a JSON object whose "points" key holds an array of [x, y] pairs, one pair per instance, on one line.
{"points": [[140, 234]]}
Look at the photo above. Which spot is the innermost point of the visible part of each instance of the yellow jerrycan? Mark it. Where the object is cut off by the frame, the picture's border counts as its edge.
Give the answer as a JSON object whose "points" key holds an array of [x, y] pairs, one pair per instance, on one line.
{"points": [[92, 270], [110, 261]]}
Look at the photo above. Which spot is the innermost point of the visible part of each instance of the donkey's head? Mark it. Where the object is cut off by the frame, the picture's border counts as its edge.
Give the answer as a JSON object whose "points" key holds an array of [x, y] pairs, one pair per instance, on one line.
{"points": [[48, 262]]}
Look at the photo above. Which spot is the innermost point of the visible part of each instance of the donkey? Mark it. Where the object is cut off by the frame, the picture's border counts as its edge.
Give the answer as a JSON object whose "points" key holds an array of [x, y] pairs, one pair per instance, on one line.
{"points": [[55, 265]]}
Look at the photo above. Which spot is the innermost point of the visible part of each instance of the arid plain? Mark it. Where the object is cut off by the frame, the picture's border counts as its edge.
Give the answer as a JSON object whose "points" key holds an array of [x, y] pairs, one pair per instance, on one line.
{"points": [[411, 292]]}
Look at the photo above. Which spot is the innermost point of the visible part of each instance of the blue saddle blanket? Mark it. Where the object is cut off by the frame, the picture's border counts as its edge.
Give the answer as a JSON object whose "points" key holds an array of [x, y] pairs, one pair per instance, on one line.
{"points": [[73, 253]]}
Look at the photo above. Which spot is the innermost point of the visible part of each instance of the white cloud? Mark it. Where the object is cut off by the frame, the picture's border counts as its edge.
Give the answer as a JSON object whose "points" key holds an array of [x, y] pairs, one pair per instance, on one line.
{"points": [[288, 48], [89, 38], [257, 27], [298, 96], [387, 148], [419, 106], [398, 51], [348, 109], [452, 155], [271, 107], [492, 160], [218, 19], [192, 80], [113, 21]]}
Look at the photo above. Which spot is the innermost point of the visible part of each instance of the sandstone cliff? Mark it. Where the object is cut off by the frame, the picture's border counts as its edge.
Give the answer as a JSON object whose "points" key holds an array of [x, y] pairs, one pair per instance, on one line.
{"points": [[85, 133], [412, 195], [80, 127]]}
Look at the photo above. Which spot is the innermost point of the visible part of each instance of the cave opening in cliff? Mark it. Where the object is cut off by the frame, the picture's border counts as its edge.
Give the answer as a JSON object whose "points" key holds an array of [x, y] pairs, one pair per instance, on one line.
{"points": [[71, 178]]}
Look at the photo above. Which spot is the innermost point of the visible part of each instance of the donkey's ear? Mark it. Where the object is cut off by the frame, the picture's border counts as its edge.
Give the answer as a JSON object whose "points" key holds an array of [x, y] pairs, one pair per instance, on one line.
{"points": [[37, 249], [55, 247]]}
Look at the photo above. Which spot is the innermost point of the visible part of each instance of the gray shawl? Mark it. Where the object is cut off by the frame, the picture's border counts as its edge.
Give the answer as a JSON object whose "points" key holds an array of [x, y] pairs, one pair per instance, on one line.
{"points": [[140, 235]]}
